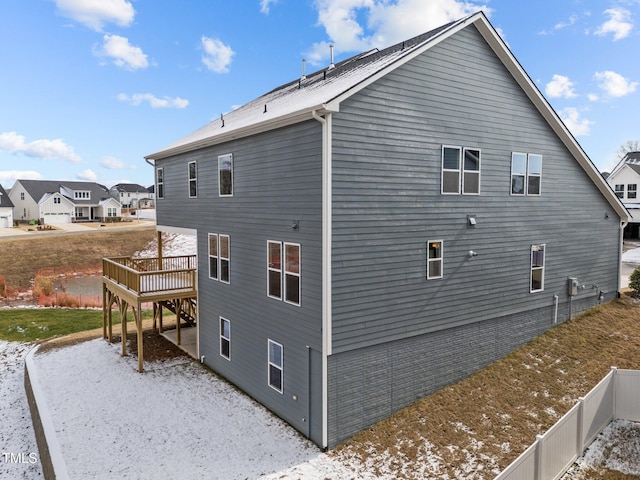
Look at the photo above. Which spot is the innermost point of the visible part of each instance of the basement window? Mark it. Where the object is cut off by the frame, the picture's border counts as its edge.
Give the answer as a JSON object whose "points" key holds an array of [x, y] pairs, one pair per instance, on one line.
{"points": [[537, 268], [434, 259], [275, 365], [225, 338]]}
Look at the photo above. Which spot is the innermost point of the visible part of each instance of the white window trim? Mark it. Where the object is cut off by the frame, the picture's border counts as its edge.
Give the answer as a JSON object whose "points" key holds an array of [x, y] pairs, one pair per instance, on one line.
{"points": [[194, 179], [217, 257], [285, 273], [458, 170], [539, 175], [527, 175], [271, 269], [220, 158], [531, 267], [222, 337], [221, 258], [474, 172], [159, 182], [440, 259], [279, 367]]}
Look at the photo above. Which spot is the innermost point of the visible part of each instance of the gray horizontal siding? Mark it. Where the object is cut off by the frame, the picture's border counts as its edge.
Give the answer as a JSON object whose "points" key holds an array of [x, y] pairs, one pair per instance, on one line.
{"points": [[277, 180], [387, 203]]}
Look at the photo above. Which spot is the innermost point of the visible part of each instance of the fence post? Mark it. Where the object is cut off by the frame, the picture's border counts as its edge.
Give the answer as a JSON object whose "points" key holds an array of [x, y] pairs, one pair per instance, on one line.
{"points": [[539, 463], [580, 430]]}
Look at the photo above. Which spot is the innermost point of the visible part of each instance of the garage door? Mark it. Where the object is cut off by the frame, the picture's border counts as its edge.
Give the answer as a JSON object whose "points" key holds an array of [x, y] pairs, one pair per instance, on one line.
{"points": [[57, 218], [4, 222]]}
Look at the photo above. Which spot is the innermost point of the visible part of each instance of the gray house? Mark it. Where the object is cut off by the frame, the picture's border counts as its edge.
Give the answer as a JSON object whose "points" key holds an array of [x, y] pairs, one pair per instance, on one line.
{"points": [[381, 228]]}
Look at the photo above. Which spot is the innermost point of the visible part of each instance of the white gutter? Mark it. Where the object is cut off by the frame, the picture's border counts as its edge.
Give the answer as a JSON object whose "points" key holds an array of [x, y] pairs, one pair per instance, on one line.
{"points": [[326, 266], [622, 225]]}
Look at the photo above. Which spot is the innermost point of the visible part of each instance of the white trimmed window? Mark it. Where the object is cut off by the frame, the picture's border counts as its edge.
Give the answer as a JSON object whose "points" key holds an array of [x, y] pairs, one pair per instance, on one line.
{"points": [[225, 175], [225, 338], [275, 367], [537, 268], [219, 257], [632, 190], [159, 182], [434, 259], [526, 173], [460, 170], [193, 179], [619, 189], [292, 273], [274, 269]]}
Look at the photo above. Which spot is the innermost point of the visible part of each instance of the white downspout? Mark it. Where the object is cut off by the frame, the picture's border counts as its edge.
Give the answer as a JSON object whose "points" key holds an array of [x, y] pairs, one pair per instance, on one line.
{"points": [[620, 248], [326, 267]]}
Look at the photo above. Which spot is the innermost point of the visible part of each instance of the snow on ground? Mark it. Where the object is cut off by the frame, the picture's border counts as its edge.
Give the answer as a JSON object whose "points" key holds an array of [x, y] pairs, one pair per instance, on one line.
{"points": [[631, 256], [19, 456], [176, 420]]}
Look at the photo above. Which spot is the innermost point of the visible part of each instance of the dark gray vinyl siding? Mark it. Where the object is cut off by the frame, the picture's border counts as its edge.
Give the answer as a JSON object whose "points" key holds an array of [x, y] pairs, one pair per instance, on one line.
{"points": [[276, 180], [387, 203]]}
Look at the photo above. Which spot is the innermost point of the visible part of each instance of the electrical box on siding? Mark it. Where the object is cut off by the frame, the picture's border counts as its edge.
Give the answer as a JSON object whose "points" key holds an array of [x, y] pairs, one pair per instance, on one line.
{"points": [[572, 286]]}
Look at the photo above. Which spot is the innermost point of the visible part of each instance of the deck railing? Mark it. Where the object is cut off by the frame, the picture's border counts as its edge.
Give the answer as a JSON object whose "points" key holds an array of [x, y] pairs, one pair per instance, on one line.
{"points": [[152, 275]]}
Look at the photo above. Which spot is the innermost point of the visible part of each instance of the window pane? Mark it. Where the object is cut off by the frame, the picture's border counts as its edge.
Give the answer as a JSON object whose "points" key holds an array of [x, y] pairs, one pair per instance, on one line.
{"points": [[192, 189], [275, 354], [517, 184], [224, 246], [435, 249], [519, 163], [225, 348], [534, 185], [537, 256], [225, 169], [292, 289], [451, 158], [472, 160], [274, 255], [450, 182], [535, 164], [536, 279], [435, 268], [292, 254], [192, 171], [225, 328], [471, 182], [274, 284], [213, 267], [224, 270], [275, 377], [213, 245]]}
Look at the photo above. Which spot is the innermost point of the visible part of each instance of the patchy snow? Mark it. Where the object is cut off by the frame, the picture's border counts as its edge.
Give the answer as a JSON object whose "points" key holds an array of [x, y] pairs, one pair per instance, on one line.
{"points": [[631, 256], [19, 456]]}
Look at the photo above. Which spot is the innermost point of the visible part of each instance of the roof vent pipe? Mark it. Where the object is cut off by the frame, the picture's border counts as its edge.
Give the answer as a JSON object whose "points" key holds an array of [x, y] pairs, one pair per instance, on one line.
{"points": [[331, 65], [304, 68]]}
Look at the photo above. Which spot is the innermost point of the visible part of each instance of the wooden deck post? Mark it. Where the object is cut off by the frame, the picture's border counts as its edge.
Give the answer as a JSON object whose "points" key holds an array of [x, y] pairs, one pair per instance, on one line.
{"points": [[178, 308], [124, 306], [137, 315]]}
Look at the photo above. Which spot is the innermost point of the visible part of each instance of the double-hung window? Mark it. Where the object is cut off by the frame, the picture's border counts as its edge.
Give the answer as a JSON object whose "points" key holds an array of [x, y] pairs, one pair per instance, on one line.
{"points": [[193, 179], [159, 182], [225, 175], [275, 365], [219, 257], [225, 338], [283, 271], [460, 170], [526, 173], [632, 190], [537, 268], [434, 259], [619, 189]]}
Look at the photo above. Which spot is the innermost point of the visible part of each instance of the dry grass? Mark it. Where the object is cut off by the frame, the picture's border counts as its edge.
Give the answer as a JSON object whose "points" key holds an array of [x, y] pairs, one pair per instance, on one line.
{"points": [[23, 257], [494, 415]]}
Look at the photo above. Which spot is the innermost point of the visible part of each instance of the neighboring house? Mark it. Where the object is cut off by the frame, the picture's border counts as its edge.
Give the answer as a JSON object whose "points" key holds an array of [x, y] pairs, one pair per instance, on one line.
{"points": [[377, 230], [624, 179], [6, 209], [132, 195], [55, 202]]}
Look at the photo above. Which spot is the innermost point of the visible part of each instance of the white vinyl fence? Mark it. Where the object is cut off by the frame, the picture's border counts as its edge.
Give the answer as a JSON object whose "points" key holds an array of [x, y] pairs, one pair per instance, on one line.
{"points": [[552, 454]]}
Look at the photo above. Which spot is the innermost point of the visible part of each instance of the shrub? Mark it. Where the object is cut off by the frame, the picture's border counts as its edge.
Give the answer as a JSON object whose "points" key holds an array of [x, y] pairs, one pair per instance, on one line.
{"points": [[634, 281]]}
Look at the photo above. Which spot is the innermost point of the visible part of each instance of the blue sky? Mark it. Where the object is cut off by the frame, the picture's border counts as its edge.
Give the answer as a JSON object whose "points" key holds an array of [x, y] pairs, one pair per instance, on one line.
{"points": [[89, 87]]}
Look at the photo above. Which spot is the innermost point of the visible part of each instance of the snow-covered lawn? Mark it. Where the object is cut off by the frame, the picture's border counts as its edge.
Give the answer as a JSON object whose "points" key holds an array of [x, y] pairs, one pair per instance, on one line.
{"points": [[631, 256]]}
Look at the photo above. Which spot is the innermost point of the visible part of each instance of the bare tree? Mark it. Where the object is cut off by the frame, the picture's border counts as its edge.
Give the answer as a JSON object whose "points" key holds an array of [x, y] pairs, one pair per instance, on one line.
{"points": [[628, 146]]}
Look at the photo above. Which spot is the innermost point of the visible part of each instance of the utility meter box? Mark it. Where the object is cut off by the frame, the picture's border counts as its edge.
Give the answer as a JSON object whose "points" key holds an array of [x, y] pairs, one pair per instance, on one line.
{"points": [[572, 285]]}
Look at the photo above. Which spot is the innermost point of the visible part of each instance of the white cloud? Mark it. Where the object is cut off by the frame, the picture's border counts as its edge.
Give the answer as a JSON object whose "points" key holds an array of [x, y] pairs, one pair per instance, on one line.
{"points": [[217, 56], [153, 101], [265, 5], [619, 23], [614, 84], [96, 13], [358, 25], [593, 97], [560, 87], [87, 176], [577, 125], [123, 54], [45, 149], [9, 177], [113, 163], [562, 25]]}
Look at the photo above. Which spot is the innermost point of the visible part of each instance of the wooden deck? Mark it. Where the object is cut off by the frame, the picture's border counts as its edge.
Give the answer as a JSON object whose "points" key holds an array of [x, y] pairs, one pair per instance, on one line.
{"points": [[167, 282]]}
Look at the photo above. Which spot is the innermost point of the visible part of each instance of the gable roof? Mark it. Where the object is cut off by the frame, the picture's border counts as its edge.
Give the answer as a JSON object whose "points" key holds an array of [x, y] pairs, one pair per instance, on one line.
{"points": [[37, 189], [630, 159], [323, 91], [130, 187], [5, 201]]}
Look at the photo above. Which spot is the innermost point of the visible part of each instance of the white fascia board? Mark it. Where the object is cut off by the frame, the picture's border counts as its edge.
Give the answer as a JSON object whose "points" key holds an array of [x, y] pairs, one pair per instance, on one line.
{"points": [[549, 114], [235, 133]]}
